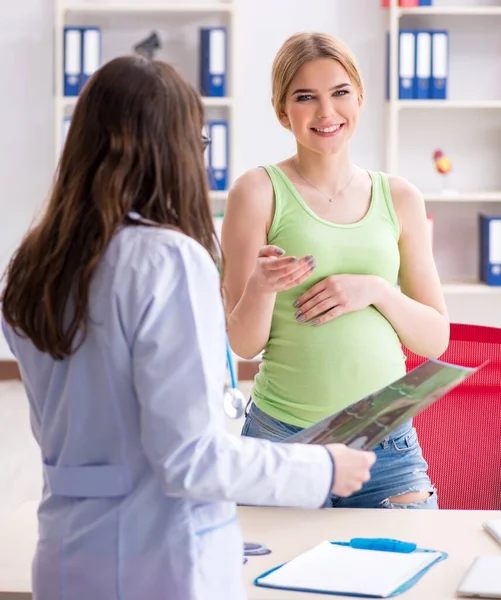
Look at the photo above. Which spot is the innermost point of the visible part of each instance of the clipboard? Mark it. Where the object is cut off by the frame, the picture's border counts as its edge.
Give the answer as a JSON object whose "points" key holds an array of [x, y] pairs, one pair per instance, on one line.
{"points": [[365, 544]]}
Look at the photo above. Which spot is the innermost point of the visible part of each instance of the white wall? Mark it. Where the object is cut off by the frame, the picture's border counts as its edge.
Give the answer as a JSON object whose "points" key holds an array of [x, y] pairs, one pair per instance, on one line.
{"points": [[26, 125], [26, 104]]}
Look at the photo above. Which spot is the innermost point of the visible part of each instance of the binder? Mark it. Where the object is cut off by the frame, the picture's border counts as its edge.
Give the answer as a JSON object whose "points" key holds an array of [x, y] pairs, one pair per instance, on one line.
{"points": [[406, 64], [218, 153], [390, 567], [423, 64], [490, 249], [439, 64], [72, 60], [213, 59], [425, 2], [91, 52]]}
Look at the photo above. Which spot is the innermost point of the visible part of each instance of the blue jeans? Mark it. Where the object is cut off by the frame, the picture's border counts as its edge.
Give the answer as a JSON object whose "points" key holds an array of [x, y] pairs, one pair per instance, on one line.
{"points": [[400, 467]]}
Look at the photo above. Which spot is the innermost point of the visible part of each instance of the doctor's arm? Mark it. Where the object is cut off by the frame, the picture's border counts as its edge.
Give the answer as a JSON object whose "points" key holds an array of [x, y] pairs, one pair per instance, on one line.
{"points": [[179, 372]]}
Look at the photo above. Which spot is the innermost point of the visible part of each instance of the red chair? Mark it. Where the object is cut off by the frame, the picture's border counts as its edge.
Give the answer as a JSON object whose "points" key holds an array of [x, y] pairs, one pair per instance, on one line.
{"points": [[460, 434]]}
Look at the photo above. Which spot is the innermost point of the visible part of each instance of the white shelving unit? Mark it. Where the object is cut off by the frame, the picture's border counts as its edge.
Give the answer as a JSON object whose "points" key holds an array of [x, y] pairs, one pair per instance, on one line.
{"points": [[394, 105], [396, 108], [159, 14], [448, 104], [149, 8], [464, 197], [470, 287], [469, 11]]}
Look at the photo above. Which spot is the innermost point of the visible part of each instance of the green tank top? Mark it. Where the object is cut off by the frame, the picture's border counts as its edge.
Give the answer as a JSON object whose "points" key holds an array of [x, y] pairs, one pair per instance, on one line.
{"points": [[307, 372]]}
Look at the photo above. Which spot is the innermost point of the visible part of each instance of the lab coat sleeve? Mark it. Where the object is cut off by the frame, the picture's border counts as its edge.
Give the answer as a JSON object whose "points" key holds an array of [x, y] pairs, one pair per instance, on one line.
{"points": [[179, 368]]}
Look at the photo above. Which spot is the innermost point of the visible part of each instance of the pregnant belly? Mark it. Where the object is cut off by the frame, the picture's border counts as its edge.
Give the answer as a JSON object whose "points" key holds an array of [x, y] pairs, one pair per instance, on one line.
{"points": [[310, 372]]}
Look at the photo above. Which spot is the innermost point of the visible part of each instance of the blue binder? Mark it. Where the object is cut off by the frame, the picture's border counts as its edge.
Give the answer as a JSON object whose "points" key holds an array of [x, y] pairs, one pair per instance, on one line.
{"points": [[406, 64], [213, 59], [490, 249], [423, 64], [91, 52], [439, 64], [369, 544], [425, 2], [72, 60], [218, 155]]}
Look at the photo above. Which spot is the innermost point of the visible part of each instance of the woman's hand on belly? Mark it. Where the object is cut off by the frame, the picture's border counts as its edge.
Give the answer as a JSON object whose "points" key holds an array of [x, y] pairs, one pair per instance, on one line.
{"points": [[337, 295]]}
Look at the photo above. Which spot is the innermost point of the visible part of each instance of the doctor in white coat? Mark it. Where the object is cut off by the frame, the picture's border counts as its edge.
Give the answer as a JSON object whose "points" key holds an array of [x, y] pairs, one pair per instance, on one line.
{"points": [[113, 309]]}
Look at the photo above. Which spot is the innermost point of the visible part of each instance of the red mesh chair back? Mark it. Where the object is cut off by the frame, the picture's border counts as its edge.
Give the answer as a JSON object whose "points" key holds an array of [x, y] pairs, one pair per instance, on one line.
{"points": [[460, 434]]}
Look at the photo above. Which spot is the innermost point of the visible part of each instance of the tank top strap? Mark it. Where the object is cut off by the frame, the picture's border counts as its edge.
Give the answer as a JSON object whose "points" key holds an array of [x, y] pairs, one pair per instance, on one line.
{"points": [[383, 200], [279, 189]]}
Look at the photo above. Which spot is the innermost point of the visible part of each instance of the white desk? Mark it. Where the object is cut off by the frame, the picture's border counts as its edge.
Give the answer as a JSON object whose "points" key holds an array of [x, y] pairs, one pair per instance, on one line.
{"points": [[287, 532]]}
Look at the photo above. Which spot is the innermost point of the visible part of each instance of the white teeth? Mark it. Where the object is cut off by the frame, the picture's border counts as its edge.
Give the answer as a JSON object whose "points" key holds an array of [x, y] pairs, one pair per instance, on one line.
{"points": [[328, 129]]}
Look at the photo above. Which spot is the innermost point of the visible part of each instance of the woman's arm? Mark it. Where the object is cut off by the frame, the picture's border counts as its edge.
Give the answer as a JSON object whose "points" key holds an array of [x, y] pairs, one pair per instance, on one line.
{"points": [[247, 218], [417, 311], [253, 272]]}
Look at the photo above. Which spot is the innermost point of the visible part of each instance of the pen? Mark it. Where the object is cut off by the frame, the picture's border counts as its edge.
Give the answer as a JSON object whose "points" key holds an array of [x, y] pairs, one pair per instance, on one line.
{"points": [[383, 544]]}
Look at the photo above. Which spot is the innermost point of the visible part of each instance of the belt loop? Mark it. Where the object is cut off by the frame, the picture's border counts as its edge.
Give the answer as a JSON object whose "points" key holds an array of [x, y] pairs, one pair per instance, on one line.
{"points": [[248, 406]]}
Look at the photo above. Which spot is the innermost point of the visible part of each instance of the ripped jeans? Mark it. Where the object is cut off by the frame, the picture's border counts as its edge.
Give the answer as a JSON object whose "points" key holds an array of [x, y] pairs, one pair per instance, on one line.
{"points": [[400, 467]]}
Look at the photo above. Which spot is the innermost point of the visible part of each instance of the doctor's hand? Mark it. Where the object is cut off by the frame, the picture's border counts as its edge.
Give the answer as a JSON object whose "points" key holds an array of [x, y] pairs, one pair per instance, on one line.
{"points": [[336, 295], [352, 468], [275, 272]]}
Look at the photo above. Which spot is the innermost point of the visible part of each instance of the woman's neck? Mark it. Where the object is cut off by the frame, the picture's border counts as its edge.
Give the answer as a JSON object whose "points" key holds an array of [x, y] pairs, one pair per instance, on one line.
{"points": [[327, 171]]}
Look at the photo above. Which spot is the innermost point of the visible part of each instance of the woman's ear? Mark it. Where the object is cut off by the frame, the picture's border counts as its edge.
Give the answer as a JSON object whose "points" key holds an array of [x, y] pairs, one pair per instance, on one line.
{"points": [[284, 120]]}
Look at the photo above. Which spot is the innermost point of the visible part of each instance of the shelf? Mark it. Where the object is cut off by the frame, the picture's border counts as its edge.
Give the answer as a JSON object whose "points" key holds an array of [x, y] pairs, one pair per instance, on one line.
{"points": [[209, 101], [473, 287], [214, 7], [217, 195], [470, 11], [442, 104], [463, 197], [216, 101]]}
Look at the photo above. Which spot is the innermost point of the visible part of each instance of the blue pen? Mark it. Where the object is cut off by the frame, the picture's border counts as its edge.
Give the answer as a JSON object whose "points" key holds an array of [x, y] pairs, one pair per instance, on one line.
{"points": [[383, 544]]}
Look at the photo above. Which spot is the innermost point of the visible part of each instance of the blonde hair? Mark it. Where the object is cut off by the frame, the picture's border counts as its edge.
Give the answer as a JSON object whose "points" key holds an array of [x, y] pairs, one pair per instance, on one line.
{"points": [[305, 47]]}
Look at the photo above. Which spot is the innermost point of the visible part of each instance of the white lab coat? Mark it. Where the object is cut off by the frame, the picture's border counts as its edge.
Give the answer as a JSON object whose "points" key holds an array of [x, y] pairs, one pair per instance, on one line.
{"points": [[140, 477]]}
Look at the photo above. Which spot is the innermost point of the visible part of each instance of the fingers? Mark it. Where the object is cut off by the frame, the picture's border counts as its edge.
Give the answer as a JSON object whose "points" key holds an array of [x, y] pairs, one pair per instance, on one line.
{"points": [[276, 273], [295, 274], [352, 469], [319, 304], [270, 251], [331, 314], [275, 264], [310, 294]]}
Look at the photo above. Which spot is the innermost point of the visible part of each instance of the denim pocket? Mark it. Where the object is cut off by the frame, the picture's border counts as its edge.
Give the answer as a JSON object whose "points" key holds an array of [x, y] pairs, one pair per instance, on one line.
{"points": [[260, 425], [405, 442]]}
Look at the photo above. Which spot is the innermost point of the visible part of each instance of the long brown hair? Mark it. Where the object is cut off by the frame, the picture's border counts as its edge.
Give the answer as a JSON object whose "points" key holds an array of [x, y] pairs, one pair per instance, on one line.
{"points": [[134, 144]]}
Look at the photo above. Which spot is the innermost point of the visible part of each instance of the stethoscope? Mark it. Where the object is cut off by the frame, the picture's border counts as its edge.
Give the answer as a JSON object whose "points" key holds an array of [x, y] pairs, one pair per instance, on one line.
{"points": [[233, 399]]}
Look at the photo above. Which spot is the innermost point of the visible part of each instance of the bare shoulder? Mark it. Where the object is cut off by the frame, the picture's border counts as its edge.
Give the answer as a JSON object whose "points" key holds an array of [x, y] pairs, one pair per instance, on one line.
{"points": [[407, 200], [251, 195], [403, 192], [253, 183]]}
